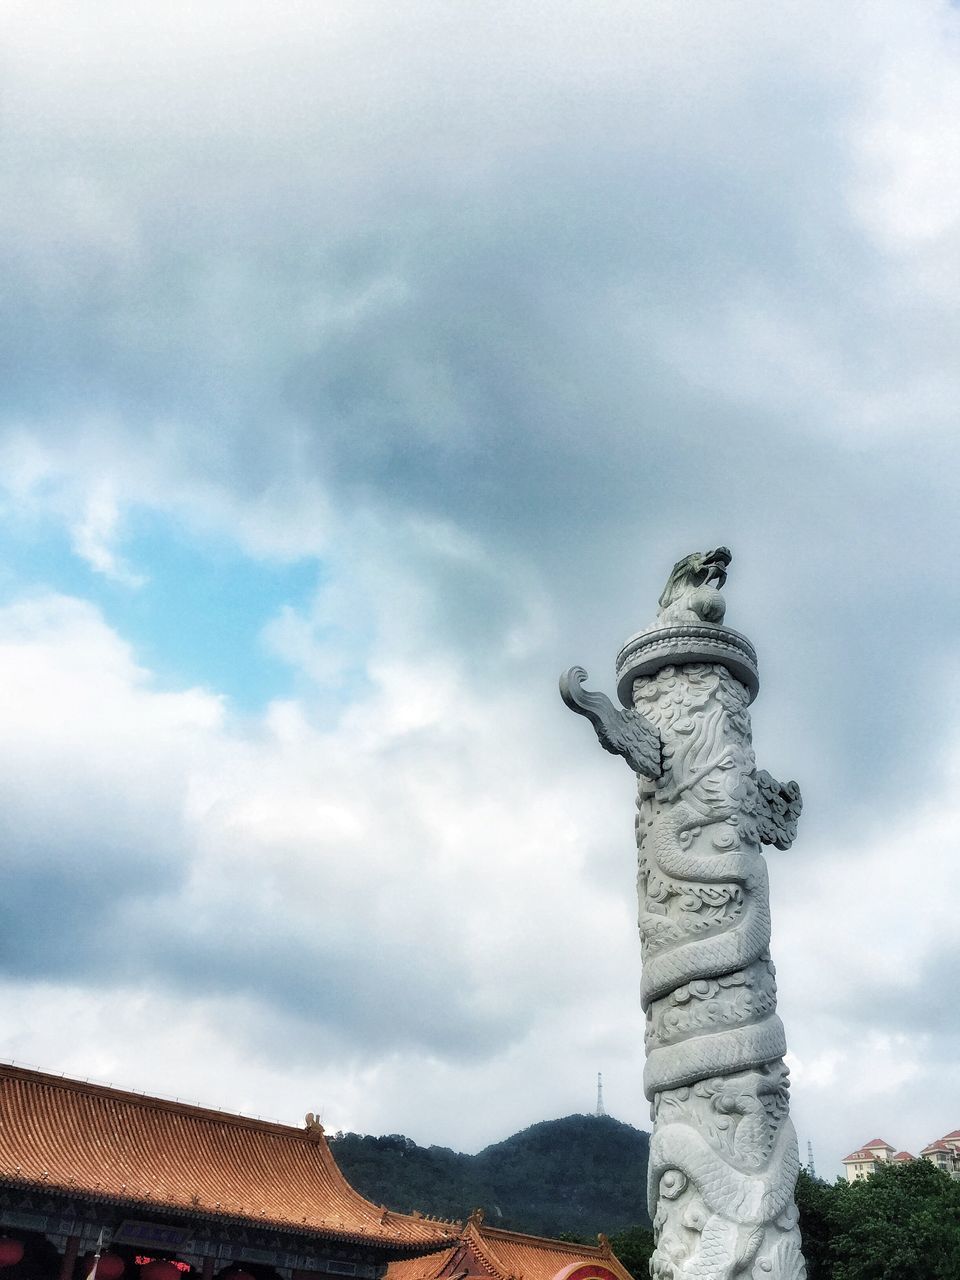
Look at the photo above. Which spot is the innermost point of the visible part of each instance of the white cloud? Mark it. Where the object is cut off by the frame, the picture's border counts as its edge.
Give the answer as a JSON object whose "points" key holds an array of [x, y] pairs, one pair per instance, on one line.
{"points": [[405, 885], [408, 906], [95, 534], [493, 310]]}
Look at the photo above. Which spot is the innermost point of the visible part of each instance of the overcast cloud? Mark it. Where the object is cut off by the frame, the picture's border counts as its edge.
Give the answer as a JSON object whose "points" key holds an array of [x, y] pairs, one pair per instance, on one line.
{"points": [[364, 367]]}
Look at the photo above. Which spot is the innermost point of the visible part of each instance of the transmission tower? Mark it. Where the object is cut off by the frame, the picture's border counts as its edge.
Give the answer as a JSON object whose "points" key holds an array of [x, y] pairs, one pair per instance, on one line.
{"points": [[600, 1111], [811, 1167]]}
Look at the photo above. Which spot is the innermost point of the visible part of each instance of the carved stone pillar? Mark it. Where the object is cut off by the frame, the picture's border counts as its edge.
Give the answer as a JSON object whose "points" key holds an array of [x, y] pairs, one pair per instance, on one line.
{"points": [[723, 1154]]}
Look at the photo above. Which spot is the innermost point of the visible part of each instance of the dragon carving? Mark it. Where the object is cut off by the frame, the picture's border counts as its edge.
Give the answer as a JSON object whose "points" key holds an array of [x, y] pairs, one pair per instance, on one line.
{"points": [[690, 595], [723, 1155]]}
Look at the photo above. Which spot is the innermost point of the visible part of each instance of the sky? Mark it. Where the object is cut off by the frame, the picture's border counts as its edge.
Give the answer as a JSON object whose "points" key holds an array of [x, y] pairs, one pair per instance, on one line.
{"points": [[365, 366]]}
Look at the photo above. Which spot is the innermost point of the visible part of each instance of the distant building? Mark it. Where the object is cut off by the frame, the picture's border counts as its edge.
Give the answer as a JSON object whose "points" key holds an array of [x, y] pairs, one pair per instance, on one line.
{"points": [[178, 1192], [944, 1153], [866, 1159]]}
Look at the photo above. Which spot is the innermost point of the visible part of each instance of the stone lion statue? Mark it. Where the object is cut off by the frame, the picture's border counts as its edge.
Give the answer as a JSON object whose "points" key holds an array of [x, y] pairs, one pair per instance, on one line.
{"points": [[690, 595]]}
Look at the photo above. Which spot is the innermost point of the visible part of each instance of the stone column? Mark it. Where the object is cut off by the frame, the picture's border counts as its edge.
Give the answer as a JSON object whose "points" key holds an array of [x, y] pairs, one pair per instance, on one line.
{"points": [[723, 1154]]}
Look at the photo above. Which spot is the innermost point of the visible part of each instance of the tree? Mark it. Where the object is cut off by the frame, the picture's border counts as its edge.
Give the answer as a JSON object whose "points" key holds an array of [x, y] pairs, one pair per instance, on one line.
{"points": [[633, 1247], [816, 1200], [901, 1223]]}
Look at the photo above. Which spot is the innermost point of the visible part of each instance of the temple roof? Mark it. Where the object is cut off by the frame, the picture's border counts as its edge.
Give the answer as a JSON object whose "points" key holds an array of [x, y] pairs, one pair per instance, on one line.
{"points": [[510, 1255], [107, 1144]]}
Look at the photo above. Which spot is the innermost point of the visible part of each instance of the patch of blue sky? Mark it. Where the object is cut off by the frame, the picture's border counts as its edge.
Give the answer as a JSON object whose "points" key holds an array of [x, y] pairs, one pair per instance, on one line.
{"points": [[199, 614]]}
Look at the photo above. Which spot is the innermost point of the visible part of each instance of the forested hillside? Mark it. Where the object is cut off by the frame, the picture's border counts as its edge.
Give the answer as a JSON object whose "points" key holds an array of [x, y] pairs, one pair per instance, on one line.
{"points": [[580, 1175], [583, 1174]]}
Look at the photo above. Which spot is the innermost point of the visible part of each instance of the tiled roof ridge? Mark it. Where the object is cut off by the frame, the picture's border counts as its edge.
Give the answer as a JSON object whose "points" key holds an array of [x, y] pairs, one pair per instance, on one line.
{"points": [[425, 1266], [524, 1237], [432, 1264], [195, 1110], [347, 1213], [510, 1255], [486, 1256]]}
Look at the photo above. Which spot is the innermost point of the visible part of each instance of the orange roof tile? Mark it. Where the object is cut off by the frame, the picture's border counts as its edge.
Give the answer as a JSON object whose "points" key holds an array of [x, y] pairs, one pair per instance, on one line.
{"points": [[508, 1255], [428, 1268], [110, 1144], [948, 1137], [877, 1142], [904, 1156]]}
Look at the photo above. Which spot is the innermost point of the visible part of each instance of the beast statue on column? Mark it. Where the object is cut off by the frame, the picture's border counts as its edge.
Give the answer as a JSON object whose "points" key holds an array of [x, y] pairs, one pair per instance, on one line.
{"points": [[723, 1155]]}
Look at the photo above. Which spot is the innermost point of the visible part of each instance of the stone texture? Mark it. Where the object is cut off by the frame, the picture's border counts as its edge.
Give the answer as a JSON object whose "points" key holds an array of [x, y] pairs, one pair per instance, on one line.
{"points": [[723, 1156]]}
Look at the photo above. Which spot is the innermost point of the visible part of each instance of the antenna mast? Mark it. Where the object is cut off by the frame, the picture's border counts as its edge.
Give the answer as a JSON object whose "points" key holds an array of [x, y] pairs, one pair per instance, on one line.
{"points": [[600, 1111], [811, 1167]]}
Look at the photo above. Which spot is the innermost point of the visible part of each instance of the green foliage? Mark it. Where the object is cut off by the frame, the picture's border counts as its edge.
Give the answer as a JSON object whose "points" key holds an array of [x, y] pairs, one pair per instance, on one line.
{"points": [[580, 1175], [633, 1247], [902, 1223], [575, 1177], [815, 1200]]}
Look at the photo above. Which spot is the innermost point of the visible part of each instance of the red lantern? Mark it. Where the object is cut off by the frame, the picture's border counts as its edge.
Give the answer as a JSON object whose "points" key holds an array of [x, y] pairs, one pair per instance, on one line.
{"points": [[110, 1267], [11, 1251], [160, 1270]]}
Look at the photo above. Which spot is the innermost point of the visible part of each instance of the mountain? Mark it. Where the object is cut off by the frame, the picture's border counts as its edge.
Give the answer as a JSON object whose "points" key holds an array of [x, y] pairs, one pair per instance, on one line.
{"points": [[579, 1175]]}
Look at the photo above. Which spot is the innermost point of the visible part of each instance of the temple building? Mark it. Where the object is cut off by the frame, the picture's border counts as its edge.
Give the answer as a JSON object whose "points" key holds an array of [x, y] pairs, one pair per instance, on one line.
{"points": [[174, 1191], [487, 1253]]}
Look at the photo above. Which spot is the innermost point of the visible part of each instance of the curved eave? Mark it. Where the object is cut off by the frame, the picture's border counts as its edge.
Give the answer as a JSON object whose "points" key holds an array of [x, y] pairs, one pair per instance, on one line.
{"points": [[211, 1215], [111, 1146]]}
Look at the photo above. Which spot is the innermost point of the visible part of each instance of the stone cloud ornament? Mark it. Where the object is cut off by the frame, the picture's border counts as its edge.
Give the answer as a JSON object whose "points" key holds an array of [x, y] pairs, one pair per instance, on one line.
{"points": [[723, 1155]]}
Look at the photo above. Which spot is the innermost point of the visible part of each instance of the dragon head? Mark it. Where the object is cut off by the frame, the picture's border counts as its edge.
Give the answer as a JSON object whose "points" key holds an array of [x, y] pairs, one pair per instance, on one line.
{"points": [[690, 594]]}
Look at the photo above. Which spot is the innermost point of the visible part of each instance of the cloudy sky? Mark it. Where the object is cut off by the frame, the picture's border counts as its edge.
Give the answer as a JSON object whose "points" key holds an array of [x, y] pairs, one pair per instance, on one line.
{"points": [[365, 365]]}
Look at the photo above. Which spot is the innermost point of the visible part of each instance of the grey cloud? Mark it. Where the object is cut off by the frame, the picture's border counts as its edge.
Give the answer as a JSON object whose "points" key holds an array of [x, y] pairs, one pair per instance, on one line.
{"points": [[58, 915], [924, 1005], [592, 296]]}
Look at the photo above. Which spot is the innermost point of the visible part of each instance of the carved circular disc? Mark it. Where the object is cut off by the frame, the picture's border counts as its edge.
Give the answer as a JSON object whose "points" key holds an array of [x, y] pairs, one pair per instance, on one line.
{"points": [[679, 645]]}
